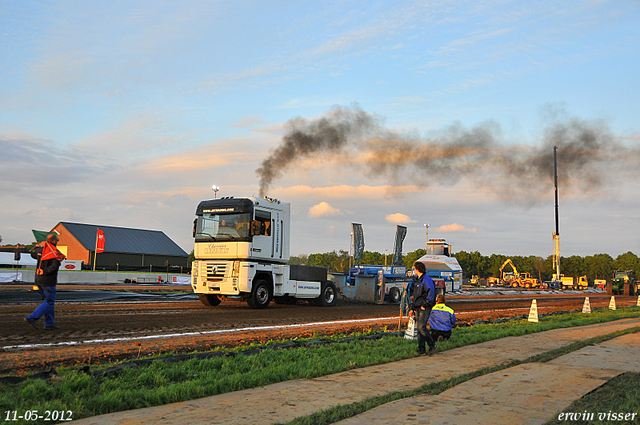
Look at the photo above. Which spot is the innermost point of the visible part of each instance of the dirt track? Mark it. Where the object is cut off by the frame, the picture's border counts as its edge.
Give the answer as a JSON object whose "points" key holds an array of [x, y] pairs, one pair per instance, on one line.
{"points": [[96, 333]]}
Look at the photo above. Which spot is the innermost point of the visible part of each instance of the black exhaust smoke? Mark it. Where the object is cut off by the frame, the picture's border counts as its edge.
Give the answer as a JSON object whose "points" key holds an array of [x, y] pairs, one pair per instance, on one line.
{"points": [[513, 171]]}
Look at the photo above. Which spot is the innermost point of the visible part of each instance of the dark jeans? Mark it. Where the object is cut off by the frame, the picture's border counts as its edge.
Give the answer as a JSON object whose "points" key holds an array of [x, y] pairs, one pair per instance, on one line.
{"points": [[46, 308], [444, 334], [423, 333]]}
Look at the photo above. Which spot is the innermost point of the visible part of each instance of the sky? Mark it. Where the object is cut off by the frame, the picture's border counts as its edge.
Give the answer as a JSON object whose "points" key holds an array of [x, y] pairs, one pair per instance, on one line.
{"points": [[445, 113]]}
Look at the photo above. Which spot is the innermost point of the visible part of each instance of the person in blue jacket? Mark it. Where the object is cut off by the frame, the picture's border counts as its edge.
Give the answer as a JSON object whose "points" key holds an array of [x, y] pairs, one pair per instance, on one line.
{"points": [[441, 320], [423, 301]]}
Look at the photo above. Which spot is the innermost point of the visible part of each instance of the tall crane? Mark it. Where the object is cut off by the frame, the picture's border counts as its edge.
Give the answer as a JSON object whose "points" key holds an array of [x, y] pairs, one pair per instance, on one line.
{"points": [[556, 234]]}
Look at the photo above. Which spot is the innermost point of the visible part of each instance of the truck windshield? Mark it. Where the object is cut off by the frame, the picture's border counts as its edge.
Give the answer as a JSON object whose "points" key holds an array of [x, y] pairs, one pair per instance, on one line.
{"points": [[223, 227]]}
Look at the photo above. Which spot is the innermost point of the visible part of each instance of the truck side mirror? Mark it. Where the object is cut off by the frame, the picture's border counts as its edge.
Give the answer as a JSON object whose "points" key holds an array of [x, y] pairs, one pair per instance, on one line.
{"points": [[194, 227]]}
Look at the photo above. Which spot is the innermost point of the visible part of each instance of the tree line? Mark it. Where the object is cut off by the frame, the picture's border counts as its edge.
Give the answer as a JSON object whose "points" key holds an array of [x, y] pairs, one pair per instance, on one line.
{"points": [[598, 266], [338, 261]]}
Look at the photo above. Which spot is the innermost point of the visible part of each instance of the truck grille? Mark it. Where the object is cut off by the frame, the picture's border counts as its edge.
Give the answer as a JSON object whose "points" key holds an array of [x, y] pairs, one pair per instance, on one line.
{"points": [[215, 272]]}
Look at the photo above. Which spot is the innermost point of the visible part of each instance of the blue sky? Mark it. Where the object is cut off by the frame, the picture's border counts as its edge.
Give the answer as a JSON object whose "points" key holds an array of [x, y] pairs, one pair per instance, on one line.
{"points": [[126, 113]]}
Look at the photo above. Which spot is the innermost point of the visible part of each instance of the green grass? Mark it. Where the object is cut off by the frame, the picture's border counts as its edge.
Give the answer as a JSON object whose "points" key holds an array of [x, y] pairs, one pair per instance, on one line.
{"points": [[621, 395], [162, 383], [341, 412]]}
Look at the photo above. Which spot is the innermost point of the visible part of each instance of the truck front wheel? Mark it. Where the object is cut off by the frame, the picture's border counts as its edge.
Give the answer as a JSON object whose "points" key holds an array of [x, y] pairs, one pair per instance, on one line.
{"points": [[328, 294], [260, 295], [209, 300]]}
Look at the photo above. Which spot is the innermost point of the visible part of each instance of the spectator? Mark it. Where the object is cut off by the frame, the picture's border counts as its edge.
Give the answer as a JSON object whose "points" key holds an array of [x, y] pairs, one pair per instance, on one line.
{"points": [[442, 320], [423, 302]]}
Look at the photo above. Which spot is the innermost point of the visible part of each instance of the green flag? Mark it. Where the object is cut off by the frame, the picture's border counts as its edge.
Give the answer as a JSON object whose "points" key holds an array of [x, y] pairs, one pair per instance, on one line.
{"points": [[40, 235]]}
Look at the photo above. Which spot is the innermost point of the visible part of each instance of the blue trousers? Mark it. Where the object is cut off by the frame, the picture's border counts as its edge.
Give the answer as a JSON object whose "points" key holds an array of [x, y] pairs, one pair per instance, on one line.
{"points": [[423, 333], [45, 309]]}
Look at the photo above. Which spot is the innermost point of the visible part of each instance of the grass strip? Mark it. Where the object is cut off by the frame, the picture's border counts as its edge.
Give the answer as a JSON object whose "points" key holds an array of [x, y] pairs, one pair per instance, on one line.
{"points": [[162, 383], [341, 412], [616, 401]]}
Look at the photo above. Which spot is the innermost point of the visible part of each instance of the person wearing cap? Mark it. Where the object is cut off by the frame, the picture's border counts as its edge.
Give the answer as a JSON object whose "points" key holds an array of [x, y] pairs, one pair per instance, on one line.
{"points": [[441, 320], [49, 259], [423, 301]]}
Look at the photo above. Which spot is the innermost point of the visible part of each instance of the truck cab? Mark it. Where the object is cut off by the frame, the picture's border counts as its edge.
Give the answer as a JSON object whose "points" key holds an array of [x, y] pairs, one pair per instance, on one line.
{"points": [[242, 252], [441, 265]]}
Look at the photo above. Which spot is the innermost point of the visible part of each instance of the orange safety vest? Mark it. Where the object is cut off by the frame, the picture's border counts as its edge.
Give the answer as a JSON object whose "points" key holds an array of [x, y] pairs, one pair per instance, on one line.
{"points": [[50, 252]]}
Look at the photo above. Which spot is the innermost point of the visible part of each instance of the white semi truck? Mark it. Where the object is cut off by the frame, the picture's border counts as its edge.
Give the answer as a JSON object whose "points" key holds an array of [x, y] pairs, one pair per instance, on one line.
{"points": [[242, 253]]}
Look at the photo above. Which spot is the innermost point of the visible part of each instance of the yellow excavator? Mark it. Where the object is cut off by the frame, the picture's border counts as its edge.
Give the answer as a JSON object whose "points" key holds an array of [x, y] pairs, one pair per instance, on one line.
{"points": [[514, 279], [509, 278]]}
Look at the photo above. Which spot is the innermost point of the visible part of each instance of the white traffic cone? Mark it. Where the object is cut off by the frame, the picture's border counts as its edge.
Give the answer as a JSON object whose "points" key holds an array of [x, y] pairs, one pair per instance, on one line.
{"points": [[638, 304], [586, 308], [533, 312], [612, 303]]}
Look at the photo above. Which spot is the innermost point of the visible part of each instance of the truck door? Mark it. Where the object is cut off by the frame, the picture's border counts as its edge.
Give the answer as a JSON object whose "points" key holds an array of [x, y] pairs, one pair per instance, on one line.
{"points": [[262, 246]]}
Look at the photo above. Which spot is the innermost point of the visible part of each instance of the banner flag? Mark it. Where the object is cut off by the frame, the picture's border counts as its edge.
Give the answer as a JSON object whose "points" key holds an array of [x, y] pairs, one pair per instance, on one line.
{"points": [[100, 242], [358, 241], [401, 232]]}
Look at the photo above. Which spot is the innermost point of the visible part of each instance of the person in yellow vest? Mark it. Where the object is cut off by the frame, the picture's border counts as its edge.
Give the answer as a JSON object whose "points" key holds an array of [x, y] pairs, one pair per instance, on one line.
{"points": [[441, 320]]}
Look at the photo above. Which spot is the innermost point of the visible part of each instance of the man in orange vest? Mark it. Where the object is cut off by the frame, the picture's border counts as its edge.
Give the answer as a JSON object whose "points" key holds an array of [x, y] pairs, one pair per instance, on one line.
{"points": [[49, 259]]}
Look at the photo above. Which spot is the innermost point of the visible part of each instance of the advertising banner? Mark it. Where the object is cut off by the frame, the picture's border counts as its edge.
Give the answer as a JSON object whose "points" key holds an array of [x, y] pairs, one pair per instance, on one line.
{"points": [[358, 241], [100, 242], [401, 232], [181, 280]]}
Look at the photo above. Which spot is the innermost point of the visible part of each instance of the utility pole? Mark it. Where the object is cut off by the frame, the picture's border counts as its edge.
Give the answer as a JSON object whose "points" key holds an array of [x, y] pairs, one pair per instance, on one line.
{"points": [[426, 251]]}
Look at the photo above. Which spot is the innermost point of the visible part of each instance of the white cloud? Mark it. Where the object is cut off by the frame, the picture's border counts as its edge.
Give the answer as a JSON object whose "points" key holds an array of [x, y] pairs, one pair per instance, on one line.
{"points": [[322, 209], [348, 192], [247, 122], [399, 218], [455, 227]]}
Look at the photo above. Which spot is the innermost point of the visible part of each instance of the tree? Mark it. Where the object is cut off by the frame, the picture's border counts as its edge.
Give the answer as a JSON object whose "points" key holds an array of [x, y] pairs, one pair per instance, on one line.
{"points": [[412, 257], [336, 262], [627, 261], [299, 259], [373, 258], [572, 266], [599, 266], [538, 264], [472, 263]]}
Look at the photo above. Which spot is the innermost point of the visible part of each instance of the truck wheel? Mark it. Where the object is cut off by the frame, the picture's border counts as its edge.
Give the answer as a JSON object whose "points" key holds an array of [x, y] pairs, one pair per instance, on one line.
{"points": [[261, 294], [328, 294], [394, 295], [209, 300]]}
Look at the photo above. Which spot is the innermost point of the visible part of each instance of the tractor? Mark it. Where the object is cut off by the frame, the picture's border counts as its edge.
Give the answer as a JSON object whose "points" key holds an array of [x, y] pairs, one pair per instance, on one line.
{"points": [[622, 283]]}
